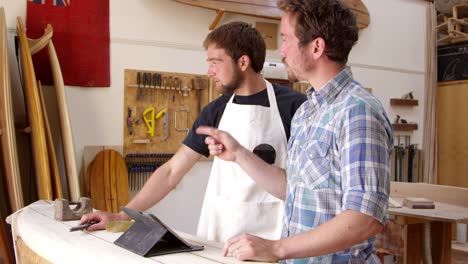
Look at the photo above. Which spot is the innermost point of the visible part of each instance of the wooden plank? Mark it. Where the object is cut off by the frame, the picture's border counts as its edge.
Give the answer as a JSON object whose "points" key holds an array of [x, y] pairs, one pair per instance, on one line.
{"points": [[5, 256], [89, 154], [54, 170], [268, 9], [403, 102], [441, 239], [440, 193], [442, 212], [450, 202], [257, 8], [452, 128], [404, 127], [109, 181], [122, 190], [412, 243], [96, 184], [39, 145], [67, 135], [7, 125]]}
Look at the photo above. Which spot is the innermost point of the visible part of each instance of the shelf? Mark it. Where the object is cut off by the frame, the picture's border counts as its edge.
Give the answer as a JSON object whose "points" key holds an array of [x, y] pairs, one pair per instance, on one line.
{"points": [[405, 127], [404, 102]]}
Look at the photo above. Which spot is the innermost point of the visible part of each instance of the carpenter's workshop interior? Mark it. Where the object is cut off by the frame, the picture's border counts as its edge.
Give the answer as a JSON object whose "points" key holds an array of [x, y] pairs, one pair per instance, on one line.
{"points": [[232, 131]]}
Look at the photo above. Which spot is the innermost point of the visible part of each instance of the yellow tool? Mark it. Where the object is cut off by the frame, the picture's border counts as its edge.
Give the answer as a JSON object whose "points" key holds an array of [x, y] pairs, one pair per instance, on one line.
{"points": [[160, 113], [149, 121]]}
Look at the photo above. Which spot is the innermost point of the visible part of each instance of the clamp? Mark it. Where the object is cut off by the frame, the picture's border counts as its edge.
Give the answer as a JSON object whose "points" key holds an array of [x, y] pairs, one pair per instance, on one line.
{"points": [[63, 212]]}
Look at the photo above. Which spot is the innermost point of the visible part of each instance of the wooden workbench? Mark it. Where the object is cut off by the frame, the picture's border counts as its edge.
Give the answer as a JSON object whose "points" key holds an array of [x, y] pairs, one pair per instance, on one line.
{"points": [[39, 238], [451, 206]]}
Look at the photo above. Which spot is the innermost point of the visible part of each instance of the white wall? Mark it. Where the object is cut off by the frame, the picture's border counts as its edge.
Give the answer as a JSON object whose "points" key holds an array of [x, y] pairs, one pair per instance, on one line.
{"points": [[163, 35]]}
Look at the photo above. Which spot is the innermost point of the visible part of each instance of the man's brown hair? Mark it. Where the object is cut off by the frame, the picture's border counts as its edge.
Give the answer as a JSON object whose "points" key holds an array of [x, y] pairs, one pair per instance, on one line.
{"points": [[238, 39], [328, 19]]}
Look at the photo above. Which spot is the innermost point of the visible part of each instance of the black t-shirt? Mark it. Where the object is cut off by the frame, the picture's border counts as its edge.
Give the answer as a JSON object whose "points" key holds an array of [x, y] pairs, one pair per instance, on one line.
{"points": [[288, 102]]}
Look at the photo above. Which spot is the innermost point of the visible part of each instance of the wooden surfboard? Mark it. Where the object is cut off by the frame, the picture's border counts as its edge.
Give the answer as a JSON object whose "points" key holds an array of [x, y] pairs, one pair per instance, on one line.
{"points": [[33, 105], [7, 125], [67, 136], [5, 256], [267, 9], [108, 181], [54, 170]]}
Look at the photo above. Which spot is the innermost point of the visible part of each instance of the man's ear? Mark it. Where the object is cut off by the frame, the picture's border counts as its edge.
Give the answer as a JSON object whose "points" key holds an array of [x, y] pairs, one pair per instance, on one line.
{"points": [[243, 62], [317, 48]]}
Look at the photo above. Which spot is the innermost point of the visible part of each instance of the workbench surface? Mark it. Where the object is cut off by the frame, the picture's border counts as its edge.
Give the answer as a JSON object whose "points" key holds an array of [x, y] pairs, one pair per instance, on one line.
{"points": [[443, 212], [35, 227]]}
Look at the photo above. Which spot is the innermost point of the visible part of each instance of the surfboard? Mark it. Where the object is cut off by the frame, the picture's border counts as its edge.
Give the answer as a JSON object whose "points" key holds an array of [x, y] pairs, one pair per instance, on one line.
{"points": [[108, 181], [67, 135], [54, 170], [267, 9], [35, 115], [7, 125], [5, 256]]}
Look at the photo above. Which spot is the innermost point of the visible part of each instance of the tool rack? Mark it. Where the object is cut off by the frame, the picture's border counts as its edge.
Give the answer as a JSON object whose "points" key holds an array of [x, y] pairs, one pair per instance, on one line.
{"points": [[167, 101], [159, 109]]}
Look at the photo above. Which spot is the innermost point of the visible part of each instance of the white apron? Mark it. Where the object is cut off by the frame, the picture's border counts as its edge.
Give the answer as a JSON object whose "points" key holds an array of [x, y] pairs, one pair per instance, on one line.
{"points": [[233, 203]]}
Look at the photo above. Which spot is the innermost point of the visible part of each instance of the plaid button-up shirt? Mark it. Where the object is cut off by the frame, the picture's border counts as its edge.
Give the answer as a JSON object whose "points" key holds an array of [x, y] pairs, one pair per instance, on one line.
{"points": [[338, 159]]}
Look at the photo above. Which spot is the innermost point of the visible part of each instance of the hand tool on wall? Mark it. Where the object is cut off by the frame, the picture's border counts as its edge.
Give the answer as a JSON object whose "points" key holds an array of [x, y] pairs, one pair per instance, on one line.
{"points": [[161, 113], [155, 83], [199, 84], [143, 86], [174, 88], [166, 126], [185, 129], [138, 85], [163, 89], [408, 96], [165, 112], [399, 153], [168, 87], [151, 88], [159, 83], [129, 121], [411, 153], [149, 121], [147, 83]]}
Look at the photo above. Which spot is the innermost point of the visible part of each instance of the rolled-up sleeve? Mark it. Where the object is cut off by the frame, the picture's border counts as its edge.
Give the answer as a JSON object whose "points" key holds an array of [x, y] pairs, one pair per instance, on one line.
{"points": [[365, 140]]}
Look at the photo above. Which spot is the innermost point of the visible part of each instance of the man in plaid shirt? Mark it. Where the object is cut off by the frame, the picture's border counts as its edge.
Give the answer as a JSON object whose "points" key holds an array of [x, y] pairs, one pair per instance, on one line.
{"points": [[338, 169]]}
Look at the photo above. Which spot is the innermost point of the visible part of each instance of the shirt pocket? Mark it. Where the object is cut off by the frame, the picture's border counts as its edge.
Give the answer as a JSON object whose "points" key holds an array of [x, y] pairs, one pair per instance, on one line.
{"points": [[315, 170]]}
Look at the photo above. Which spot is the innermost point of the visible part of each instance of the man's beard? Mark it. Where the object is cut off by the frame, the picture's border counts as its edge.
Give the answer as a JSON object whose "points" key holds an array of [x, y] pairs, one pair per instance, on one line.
{"points": [[236, 81], [291, 75], [305, 64]]}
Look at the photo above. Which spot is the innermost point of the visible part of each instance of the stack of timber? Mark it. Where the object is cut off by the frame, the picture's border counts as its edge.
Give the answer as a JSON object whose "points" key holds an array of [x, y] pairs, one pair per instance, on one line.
{"points": [[9, 169], [48, 180], [453, 29], [7, 127]]}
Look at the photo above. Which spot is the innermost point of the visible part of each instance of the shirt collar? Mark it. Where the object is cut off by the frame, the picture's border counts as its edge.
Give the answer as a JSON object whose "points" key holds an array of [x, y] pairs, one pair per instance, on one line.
{"points": [[332, 88]]}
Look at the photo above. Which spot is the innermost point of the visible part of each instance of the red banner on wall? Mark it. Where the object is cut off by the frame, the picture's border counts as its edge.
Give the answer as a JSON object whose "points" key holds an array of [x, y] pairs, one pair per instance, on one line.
{"points": [[81, 39]]}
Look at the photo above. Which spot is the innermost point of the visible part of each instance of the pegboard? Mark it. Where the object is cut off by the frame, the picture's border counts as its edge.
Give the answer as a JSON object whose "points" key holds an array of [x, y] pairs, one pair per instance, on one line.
{"points": [[146, 98]]}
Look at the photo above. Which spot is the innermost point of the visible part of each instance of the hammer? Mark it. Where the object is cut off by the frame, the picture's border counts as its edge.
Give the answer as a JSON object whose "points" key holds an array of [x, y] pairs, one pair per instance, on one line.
{"points": [[199, 83]]}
